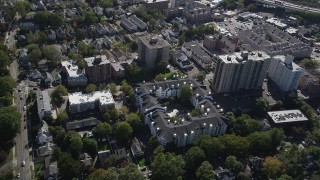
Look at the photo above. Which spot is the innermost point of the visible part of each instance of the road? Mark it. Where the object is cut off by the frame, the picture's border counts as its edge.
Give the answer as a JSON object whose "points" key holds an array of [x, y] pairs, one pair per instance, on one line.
{"points": [[21, 140], [291, 6]]}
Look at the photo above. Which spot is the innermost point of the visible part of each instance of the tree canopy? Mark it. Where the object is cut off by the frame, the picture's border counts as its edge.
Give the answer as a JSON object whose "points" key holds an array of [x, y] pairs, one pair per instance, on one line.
{"points": [[90, 146], [130, 172], [260, 107], [211, 146], [57, 95], [123, 132], [185, 94], [235, 145], [4, 59], [102, 130], [90, 88], [68, 167], [205, 171], [194, 158], [273, 167], [167, 166], [244, 125], [10, 123], [74, 143], [134, 120]]}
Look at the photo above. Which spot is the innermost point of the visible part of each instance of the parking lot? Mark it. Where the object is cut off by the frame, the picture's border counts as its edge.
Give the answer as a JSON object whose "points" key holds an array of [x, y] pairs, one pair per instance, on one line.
{"points": [[233, 25]]}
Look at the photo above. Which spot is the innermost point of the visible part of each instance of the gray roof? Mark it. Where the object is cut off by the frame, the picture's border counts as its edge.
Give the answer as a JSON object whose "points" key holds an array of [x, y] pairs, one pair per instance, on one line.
{"points": [[43, 101], [78, 124], [195, 48]]}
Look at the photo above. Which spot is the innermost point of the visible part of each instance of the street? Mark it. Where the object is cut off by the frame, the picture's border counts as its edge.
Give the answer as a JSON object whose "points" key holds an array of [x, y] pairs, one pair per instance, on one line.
{"points": [[21, 140]]}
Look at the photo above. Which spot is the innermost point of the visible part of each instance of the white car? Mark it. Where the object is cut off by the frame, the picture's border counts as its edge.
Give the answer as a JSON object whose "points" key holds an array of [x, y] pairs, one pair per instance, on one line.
{"points": [[18, 175], [23, 163]]}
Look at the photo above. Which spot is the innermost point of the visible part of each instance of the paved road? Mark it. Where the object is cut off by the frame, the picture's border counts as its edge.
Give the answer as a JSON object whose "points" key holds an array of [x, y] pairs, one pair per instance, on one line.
{"points": [[291, 6], [22, 153]]}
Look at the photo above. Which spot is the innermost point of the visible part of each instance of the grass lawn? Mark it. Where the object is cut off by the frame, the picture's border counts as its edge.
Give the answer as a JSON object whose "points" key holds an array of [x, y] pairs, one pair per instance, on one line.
{"points": [[10, 155]]}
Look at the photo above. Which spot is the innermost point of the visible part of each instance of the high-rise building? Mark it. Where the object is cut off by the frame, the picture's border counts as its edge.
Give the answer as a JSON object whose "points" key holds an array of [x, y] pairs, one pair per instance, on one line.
{"points": [[238, 71], [285, 73], [153, 49], [98, 68]]}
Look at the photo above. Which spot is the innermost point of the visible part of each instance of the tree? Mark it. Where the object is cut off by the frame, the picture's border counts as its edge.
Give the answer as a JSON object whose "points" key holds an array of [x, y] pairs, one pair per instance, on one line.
{"points": [[195, 112], [273, 167], [130, 172], [230, 162], [235, 145], [260, 107], [260, 143], [90, 18], [114, 114], [113, 88], [105, 3], [193, 158], [205, 171], [90, 88], [277, 135], [244, 125], [34, 55], [201, 76], [62, 118], [6, 86], [211, 146], [22, 7], [167, 166], [126, 88], [68, 167], [123, 132], [102, 130], [134, 120], [74, 143], [82, 48], [106, 116], [102, 174], [57, 95], [285, 177], [90, 146], [310, 64], [9, 124], [185, 94], [111, 161], [153, 142], [4, 59], [52, 53]]}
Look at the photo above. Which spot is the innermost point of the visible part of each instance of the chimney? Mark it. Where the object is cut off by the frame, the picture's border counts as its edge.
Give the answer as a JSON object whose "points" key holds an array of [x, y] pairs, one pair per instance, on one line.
{"points": [[244, 55]]}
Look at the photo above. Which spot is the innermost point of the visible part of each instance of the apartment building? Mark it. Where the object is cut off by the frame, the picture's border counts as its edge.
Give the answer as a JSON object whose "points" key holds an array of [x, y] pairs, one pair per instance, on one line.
{"points": [[152, 49], [285, 73], [98, 68], [240, 71], [194, 51], [274, 42], [99, 100], [75, 76], [188, 129]]}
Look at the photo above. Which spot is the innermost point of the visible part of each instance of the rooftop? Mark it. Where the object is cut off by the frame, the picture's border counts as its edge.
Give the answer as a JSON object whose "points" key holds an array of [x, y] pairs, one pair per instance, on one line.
{"points": [[72, 69], [154, 41], [244, 56], [104, 97], [287, 116], [97, 60], [43, 101]]}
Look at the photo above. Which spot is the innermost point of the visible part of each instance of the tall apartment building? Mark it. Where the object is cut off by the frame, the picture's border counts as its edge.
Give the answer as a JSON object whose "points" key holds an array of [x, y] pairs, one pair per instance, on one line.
{"points": [[98, 68], [240, 71], [75, 76], [153, 49], [285, 73]]}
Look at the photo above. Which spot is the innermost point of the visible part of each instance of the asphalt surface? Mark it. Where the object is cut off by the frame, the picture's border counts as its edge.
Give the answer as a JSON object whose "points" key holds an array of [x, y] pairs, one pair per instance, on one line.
{"points": [[22, 153]]}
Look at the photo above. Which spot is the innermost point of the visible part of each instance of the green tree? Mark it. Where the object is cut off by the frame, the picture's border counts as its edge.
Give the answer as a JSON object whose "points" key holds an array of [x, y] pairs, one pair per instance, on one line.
{"points": [[167, 166], [311, 64], [194, 158], [90, 18], [130, 172], [74, 143], [57, 95], [153, 142], [273, 167], [205, 171], [4, 59], [285, 177], [110, 162], [22, 7], [102, 130], [126, 88], [244, 125], [277, 135], [134, 120], [260, 143], [201, 76], [62, 118], [106, 116], [195, 112], [260, 107], [123, 132], [34, 55], [10, 125], [105, 3], [113, 88], [90, 146], [211, 146], [235, 145], [230, 161], [185, 94], [6, 85], [114, 114], [52, 53], [83, 48], [68, 167], [90, 88], [102, 174]]}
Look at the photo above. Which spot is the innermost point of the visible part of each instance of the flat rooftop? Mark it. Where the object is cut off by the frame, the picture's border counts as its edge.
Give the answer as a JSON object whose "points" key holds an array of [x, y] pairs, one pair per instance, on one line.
{"points": [[97, 60], [154, 41], [104, 97], [72, 69], [287, 116], [239, 57]]}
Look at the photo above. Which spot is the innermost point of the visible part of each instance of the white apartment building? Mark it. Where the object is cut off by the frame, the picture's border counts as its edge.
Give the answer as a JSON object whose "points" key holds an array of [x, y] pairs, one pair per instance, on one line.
{"points": [[75, 77], [99, 100], [285, 73], [152, 49], [240, 71]]}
